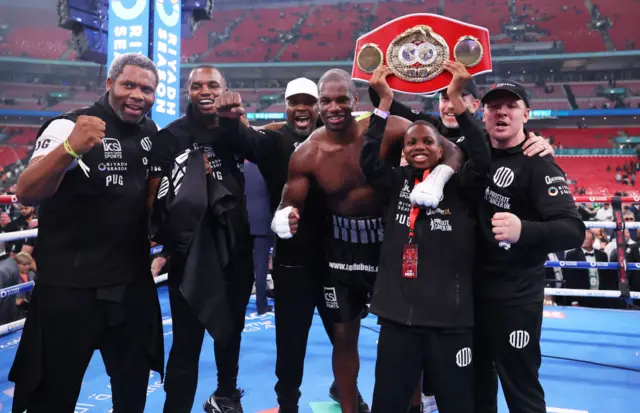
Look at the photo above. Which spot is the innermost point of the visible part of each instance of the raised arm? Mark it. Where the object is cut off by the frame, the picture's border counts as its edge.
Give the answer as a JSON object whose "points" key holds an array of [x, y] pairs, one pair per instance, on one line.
{"points": [[285, 220], [399, 109], [55, 153], [479, 163], [379, 174], [257, 145]]}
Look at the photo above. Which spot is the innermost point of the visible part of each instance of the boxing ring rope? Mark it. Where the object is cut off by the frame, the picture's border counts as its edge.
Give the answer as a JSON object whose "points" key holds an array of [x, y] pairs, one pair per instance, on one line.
{"points": [[618, 224], [28, 286]]}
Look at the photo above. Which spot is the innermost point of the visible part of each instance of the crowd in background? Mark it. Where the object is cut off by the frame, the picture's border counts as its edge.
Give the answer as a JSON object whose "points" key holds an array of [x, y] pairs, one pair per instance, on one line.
{"points": [[599, 246]]}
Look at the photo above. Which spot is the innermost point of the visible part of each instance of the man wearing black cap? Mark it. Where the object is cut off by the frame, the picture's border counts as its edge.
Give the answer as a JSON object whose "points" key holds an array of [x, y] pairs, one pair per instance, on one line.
{"points": [[527, 212]]}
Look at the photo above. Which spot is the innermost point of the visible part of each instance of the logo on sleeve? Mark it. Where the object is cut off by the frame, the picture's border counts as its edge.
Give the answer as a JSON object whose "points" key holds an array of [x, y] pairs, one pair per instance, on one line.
{"points": [[503, 177], [550, 180]]}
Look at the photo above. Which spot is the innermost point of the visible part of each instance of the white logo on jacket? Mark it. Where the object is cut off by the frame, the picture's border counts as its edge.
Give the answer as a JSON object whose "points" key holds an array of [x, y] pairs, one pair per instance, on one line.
{"points": [[438, 224], [503, 177]]}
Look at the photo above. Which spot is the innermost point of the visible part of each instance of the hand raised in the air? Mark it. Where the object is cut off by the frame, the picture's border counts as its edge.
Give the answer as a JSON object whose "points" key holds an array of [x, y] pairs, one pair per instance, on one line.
{"points": [[229, 105], [461, 77], [379, 83]]}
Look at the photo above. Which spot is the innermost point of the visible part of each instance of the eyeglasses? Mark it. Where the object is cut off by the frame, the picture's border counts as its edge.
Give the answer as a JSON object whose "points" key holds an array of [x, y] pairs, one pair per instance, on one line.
{"points": [[629, 219]]}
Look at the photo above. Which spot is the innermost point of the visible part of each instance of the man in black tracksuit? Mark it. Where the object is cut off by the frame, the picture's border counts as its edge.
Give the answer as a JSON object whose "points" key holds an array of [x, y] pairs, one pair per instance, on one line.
{"points": [[299, 262], [426, 317], [197, 130], [527, 212]]}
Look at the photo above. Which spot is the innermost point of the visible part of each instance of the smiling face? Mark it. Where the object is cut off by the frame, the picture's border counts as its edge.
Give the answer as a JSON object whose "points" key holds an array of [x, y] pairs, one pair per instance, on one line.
{"points": [[422, 146], [336, 105], [132, 93], [205, 85], [447, 111]]}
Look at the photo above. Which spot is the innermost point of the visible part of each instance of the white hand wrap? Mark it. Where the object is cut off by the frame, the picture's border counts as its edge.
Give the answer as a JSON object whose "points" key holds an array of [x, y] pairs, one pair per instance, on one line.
{"points": [[430, 192], [280, 223]]}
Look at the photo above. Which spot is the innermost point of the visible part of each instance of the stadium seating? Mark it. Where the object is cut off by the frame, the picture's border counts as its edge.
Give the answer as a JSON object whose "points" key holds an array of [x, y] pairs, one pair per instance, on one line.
{"points": [[591, 173], [586, 138], [327, 32]]}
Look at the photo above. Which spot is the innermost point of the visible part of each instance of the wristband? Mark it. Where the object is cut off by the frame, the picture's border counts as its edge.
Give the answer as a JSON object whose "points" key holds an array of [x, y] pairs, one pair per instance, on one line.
{"points": [[381, 113], [70, 151]]}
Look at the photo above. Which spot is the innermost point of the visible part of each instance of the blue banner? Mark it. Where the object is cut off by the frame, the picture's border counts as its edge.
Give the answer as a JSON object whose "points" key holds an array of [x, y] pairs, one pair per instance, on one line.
{"points": [[128, 28], [166, 56]]}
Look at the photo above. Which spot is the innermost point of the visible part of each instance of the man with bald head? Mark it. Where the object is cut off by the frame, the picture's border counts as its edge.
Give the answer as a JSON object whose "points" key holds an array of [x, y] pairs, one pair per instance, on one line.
{"points": [[329, 160], [198, 130]]}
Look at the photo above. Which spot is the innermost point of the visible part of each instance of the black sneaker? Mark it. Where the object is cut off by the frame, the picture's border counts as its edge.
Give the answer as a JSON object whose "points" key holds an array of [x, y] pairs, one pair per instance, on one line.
{"points": [[333, 393], [231, 404]]}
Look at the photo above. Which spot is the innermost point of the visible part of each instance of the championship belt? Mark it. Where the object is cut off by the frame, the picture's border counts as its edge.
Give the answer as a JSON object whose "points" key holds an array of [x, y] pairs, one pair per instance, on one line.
{"points": [[414, 47]]}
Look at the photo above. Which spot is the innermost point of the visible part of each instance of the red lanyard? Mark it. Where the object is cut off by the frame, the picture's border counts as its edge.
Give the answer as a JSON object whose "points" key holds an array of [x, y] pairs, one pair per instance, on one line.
{"points": [[413, 215]]}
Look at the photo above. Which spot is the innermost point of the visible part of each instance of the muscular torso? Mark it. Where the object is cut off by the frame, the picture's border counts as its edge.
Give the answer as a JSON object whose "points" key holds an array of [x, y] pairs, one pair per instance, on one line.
{"points": [[336, 169]]}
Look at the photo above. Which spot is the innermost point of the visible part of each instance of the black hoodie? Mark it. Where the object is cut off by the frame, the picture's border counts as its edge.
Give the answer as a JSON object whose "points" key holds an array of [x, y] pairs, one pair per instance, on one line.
{"points": [[442, 293], [535, 190]]}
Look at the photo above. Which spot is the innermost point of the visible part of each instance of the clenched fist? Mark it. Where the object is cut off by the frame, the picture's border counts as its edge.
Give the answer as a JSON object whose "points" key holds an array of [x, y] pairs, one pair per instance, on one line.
{"points": [[507, 227], [285, 222], [87, 133], [379, 83], [460, 78], [229, 105]]}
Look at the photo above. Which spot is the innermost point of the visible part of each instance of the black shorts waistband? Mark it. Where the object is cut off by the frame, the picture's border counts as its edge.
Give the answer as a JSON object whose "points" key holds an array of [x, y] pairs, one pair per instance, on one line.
{"points": [[357, 230]]}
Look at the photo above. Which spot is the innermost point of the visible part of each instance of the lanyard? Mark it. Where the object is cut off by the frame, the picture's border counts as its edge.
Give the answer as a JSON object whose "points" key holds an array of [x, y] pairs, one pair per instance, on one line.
{"points": [[413, 215]]}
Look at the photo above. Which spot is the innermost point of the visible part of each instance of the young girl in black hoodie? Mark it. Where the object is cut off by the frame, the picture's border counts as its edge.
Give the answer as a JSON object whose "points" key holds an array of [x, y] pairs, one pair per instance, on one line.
{"points": [[423, 293]]}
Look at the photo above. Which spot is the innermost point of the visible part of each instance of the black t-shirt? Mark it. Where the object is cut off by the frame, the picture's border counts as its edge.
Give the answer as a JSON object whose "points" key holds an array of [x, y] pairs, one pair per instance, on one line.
{"points": [[535, 190], [93, 232]]}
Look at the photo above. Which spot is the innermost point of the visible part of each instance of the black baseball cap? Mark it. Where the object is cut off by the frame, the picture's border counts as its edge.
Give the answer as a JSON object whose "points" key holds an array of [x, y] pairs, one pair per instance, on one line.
{"points": [[471, 88], [507, 86]]}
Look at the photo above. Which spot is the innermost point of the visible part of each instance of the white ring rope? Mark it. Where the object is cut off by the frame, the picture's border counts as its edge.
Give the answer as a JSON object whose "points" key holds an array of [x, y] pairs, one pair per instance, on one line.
{"points": [[33, 233]]}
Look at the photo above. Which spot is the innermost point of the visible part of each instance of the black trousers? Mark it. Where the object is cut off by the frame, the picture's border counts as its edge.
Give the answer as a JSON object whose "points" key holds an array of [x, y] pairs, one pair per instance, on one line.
{"points": [[261, 247], [507, 344], [63, 329], [188, 334], [446, 357], [298, 292]]}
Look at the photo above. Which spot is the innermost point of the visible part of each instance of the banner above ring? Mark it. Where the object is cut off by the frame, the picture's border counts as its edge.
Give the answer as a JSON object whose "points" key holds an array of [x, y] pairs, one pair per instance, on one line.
{"points": [[415, 47]]}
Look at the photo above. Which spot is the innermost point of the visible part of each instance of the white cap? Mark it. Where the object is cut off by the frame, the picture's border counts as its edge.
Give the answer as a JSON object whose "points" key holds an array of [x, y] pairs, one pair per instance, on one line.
{"points": [[301, 85]]}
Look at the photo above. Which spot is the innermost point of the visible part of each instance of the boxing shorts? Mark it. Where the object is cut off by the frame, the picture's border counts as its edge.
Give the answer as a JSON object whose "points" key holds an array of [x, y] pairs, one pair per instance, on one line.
{"points": [[352, 249]]}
